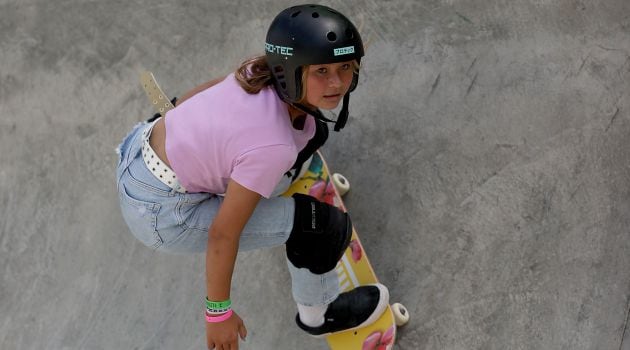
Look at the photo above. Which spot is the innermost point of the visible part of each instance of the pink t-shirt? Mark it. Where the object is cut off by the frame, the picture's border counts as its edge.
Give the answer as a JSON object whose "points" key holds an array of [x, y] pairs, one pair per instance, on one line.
{"points": [[224, 133]]}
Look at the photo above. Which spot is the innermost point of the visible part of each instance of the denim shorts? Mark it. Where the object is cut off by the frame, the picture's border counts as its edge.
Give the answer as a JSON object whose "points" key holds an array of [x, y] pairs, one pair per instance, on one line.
{"points": [[175, 222]]}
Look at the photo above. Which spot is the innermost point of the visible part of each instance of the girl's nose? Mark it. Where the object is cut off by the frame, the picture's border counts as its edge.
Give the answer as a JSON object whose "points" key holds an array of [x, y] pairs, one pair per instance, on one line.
{"points": [[334, 80]]}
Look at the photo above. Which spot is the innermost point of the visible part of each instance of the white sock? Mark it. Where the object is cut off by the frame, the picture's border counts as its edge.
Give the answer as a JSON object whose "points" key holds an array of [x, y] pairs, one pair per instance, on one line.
{"points": [[312, 316]]}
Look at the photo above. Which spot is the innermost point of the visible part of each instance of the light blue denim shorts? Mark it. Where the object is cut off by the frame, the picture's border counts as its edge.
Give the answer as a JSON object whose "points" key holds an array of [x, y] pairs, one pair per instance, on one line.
{"points": [[175, 222]]}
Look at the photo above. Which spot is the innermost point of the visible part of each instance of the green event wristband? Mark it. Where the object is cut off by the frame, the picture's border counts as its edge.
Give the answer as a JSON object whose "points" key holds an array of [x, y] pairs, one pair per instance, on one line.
{"points": [[218, 305]]}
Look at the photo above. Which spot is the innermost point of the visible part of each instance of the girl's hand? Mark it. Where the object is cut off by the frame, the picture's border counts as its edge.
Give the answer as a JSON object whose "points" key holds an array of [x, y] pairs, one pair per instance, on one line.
{"points": [[224, 335]]}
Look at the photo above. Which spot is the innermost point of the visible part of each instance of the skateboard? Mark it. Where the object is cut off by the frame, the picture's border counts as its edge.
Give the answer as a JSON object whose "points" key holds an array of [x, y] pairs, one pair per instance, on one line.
{"points": [[354, 268]]}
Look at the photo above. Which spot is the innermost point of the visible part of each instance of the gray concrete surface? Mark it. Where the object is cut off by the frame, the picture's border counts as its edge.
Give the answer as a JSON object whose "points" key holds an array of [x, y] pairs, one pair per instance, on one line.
{"points": [[488, 151]]}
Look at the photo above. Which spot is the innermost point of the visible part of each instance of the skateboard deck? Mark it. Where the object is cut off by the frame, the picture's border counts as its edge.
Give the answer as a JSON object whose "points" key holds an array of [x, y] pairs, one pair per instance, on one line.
{"points": [[354, 268]]}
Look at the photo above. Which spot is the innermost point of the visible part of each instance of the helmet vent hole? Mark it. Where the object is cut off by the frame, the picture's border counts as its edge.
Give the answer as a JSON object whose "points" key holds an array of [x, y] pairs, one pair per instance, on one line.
{"points": [[315, 15], [331, 36], [295, 14], [284, 85], [349, 33]]}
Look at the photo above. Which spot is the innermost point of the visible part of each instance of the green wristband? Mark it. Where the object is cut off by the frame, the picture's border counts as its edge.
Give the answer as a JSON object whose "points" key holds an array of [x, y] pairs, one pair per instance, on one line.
{"points": [[218, 305]]}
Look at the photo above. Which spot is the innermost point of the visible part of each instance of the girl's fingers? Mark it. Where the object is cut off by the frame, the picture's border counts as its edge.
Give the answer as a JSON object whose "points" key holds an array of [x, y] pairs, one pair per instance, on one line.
{"points": [[242, 331]]}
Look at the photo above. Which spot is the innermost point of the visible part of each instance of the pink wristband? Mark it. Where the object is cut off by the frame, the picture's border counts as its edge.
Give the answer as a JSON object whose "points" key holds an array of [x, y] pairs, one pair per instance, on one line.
{"points": [[217, 319]]}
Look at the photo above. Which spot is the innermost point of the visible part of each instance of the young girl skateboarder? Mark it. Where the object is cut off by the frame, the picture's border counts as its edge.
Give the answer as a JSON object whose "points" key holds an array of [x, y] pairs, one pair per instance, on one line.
{"points": [[206, 176]]}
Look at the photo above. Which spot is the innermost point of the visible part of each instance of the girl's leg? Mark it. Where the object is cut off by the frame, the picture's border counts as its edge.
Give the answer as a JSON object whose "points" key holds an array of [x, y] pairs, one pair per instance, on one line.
{"points": [[322, 308], [313, 290], [269, 226]]}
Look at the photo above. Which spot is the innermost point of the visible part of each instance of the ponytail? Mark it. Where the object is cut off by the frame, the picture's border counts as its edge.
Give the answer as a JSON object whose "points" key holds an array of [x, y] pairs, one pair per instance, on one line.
{"points": [[254, 75]]}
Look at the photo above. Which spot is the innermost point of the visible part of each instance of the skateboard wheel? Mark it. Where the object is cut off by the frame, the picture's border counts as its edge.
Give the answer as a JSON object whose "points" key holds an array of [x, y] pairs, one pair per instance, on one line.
{"points": [[401, 315], [341, 183]]}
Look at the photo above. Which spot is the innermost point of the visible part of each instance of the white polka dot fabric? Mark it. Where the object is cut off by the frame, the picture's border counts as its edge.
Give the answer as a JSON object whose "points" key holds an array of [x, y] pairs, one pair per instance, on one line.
{"points": [[161, 171]]}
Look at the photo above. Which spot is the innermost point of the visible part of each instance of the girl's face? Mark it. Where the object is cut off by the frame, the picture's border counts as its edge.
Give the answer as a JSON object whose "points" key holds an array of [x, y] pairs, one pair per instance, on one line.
{"points": [[326, 84]]}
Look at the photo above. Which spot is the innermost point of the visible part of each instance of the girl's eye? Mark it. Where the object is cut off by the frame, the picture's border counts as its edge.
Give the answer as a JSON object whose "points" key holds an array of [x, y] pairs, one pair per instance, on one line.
{"points": [[322, 71], [345, 66]]}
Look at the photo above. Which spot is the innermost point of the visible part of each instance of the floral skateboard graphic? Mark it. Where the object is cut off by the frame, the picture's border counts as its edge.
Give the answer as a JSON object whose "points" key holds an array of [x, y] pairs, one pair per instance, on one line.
{"points": [[354, 269]]}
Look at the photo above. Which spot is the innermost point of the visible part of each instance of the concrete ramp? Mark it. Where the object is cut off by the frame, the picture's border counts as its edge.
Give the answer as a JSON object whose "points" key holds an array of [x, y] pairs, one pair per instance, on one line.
{"points": [[488, 149]]}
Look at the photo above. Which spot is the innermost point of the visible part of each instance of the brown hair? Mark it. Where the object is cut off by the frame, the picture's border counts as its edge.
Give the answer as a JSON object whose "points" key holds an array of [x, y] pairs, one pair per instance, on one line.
{"points": [[254, 75]]}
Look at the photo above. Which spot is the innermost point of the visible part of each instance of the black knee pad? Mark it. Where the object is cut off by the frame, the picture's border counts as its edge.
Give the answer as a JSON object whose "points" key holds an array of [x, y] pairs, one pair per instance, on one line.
{"points": [[321, 233]]}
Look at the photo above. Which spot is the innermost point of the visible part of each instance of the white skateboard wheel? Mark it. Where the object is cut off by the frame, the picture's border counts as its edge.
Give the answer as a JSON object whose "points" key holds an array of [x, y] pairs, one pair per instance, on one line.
{"points": [[401, 315], [341, 183]]}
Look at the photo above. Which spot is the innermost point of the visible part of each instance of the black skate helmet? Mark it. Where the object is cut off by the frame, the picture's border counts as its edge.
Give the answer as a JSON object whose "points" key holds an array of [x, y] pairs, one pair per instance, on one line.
{"points": [[305, 35]]}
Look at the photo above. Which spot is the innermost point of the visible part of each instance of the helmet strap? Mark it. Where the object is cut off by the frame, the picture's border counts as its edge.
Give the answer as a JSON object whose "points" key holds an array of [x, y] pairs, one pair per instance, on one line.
{"points": [[342, 118], [343, 114], [314, 112]]}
